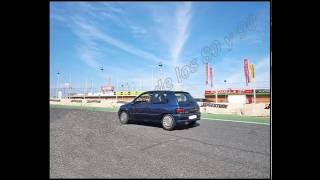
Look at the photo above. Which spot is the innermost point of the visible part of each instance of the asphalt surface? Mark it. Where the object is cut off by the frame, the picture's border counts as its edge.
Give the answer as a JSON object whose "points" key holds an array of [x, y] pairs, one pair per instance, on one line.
{"points": [[87, 144]]}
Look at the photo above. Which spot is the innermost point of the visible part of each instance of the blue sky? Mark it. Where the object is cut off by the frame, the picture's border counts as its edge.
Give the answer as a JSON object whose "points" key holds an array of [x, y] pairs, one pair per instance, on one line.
{"points": [[129, 39]]}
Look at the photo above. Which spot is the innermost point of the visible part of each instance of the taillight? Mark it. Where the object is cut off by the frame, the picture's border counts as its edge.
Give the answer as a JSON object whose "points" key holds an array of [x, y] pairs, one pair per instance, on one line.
{"points": [[180, 110]]}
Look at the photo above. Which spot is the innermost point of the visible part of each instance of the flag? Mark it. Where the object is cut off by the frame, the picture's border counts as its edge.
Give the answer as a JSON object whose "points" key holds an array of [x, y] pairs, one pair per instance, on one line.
{"points": [[249, 72], [206, 73], [211, 77], [212, 74], [252, 71], [246, 71]]}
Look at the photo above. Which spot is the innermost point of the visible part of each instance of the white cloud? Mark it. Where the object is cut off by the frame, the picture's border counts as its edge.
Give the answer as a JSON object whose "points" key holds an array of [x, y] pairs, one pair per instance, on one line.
{"points": [[172, 25], [183, 17], [86, 30], [112, 12], [89, 56], [138, 31], [87, 27], [57, 17], [126, 47], [112, 7]]}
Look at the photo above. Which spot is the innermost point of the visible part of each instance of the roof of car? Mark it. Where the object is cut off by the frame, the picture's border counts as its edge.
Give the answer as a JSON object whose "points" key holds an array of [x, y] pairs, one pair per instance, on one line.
{"points": [[167, 91]]}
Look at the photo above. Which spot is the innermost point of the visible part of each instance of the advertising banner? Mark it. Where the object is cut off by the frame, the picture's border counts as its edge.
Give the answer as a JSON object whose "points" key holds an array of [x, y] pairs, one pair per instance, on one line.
{"points": [[230, 91]]}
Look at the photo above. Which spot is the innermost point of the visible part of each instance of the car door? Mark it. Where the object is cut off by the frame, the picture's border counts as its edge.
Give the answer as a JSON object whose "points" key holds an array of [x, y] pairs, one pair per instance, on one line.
{"points": [[141, 106], [157, 106]]}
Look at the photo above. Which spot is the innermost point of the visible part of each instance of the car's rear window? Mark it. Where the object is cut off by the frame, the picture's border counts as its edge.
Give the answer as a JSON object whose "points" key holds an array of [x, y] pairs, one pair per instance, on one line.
{"points": [[183, 97]]}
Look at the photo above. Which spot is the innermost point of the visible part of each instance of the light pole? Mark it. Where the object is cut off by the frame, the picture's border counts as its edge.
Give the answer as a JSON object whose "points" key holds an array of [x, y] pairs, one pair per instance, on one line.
{"points": [[254, 92], [152, 79], [85, 90], [58, 74], [162, 76], [225, 82], [91, 86], [116, 88], [69, 87], [152, 69], [161, 70], [216, 93], [122, 87], [101, 69], [141, 85]]}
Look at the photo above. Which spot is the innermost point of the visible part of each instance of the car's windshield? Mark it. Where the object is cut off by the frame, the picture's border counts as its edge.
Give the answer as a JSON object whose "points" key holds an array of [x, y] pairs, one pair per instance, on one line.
{"points": [[183, 97]]}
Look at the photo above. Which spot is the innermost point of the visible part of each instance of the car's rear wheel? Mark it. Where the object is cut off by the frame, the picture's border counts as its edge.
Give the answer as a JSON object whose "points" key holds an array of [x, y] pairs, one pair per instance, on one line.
{"points": [[124, 117], [168, 122]]}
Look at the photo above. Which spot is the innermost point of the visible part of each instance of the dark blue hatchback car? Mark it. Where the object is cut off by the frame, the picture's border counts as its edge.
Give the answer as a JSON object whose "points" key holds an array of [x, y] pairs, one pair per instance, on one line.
{"points": [[167, 107]]}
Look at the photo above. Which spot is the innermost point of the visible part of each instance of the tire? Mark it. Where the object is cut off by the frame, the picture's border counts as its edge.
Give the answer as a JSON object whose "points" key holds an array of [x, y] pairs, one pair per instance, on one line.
{"points": [[124, 117], [168, 122]]}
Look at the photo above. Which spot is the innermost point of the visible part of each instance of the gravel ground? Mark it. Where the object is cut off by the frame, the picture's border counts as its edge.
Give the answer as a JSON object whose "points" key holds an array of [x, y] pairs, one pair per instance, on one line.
{"points": [[88, 144]]}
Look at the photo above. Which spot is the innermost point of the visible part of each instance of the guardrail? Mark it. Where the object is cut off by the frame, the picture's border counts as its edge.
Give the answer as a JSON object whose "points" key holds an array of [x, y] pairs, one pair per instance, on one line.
{"points": [[93, 101], [55, 100], [77, 101], [208, 104]]}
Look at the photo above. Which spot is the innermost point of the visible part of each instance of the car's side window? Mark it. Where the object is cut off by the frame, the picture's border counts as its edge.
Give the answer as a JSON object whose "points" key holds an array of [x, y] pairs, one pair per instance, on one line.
{"points": [[183, 97], [159, 98], [144, 98]]}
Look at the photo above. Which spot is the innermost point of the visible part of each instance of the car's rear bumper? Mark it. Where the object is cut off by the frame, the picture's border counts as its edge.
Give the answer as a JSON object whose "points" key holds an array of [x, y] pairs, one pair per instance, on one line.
{"points": [[184, 118]]}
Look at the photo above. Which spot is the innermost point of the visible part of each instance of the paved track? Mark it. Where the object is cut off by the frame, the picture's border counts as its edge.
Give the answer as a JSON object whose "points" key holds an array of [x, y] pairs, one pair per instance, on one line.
{"points": [[87, 144]]}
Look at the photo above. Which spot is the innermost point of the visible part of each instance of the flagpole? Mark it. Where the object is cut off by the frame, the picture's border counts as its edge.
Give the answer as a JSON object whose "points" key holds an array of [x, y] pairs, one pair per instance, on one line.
{"points": [[216, 94], [116, 89], [152, 80], [254, 92]]}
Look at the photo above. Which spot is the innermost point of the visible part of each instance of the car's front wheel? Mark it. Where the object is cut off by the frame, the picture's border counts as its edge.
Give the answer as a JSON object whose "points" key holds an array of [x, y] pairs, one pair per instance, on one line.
{"points": [[124, 117], [168, 122]]}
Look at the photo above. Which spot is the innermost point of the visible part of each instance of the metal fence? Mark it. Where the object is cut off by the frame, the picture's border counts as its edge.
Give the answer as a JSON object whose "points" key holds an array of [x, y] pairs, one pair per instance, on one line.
{"points": [[66, 92]]}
